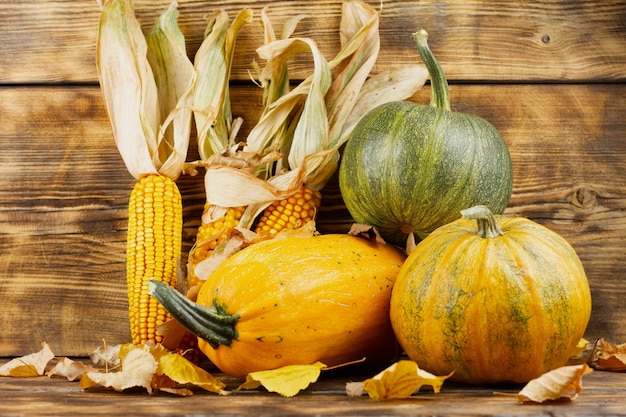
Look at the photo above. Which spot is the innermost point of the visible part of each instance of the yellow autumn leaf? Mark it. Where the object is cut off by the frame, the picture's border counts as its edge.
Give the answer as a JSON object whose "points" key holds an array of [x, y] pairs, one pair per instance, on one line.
{"points": [[182, 371], [562, 383], [137, 369], [286, 381], [401, 380], [33, 364], [585, 352]]}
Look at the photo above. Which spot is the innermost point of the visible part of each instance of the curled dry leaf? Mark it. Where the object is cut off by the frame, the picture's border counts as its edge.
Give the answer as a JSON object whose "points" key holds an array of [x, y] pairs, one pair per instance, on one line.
{"points": [[182, 371], [610, 357], [107, 356], [400, 380], [286, 381], [70, 369], [562, 383], [367, 232], [33, 364], [152, 368], [137, 368]]}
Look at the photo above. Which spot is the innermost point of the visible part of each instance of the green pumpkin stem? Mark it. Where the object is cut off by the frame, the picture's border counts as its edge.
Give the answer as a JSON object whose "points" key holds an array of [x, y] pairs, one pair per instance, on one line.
{"points": [[488, 227], [439, 94], [213, 324]]}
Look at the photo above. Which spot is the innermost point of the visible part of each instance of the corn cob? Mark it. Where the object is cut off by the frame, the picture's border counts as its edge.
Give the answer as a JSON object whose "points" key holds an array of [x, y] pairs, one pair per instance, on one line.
{"points": [[290, 213], [153, 249], [146, 83], [209, 236]]}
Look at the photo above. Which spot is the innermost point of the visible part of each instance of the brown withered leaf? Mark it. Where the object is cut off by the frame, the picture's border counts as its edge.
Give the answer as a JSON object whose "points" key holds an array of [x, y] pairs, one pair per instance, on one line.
{"points": [[611, 357], [564, 383], [400, 380], [286, 381], [70, 369], [33, 364], [367, 232]]}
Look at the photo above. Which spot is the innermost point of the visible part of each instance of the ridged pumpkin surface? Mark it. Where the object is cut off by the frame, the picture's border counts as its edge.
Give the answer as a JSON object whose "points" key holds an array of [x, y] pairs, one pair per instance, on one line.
{"points": [[503, 309], [302, 300], [409, 167]]}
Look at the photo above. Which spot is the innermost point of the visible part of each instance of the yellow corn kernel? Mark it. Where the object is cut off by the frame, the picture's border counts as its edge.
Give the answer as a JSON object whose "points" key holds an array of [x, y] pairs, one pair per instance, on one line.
{"points": [[153, 249], [290, 213], [209, 236]]}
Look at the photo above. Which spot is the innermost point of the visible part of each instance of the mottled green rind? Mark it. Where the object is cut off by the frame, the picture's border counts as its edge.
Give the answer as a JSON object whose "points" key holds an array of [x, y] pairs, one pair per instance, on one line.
{"points": [[407, 164]]}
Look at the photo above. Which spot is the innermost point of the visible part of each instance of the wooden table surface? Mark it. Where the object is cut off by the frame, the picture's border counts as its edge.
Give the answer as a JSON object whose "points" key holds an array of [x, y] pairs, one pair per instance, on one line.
{"points": [[549, 75], [603, 394]]}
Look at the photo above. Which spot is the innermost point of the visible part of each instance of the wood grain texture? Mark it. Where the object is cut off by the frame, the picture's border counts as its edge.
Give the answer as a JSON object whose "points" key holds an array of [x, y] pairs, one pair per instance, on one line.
{"points": [[604, 394], [64, 191], [541, 40]]}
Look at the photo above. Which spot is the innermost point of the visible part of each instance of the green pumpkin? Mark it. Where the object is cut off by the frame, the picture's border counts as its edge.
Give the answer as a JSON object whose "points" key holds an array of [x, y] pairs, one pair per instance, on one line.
{"points": [[409, 167]]}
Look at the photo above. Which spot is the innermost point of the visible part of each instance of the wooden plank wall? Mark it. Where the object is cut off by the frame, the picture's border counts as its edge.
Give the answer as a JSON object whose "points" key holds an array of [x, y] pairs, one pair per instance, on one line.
{"points": [[550, 75]]}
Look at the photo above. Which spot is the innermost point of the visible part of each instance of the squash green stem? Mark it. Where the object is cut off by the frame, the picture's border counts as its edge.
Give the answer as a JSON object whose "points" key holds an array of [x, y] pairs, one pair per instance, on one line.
{"points": [[488, 227], [213, 324], [439, 94]]}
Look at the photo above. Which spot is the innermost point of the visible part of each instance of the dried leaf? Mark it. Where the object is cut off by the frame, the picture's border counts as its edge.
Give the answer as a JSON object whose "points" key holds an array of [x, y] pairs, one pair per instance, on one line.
{"points": [[401, 380], [175, 76], [367, 232], [182, 371], [211, 99], [70, 369], [611, 357], [139, 112], [137, 368], [354, 389], [360, 46], [246, 189], [286, 381], [391, 85], [108, 356], [562, 383], [128, 86], [585, 352], [33, 364]]}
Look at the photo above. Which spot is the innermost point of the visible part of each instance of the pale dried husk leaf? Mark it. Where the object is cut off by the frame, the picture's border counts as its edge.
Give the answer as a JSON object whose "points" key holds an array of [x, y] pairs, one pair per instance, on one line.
{"points": [[128, 86], [131, 94], [360, 46], [391, 85], [175, 76], [211, 99]]}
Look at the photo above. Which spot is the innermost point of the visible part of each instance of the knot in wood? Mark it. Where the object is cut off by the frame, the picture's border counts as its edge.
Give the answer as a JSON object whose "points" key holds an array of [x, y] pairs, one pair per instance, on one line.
{"points": [[583, 198]]}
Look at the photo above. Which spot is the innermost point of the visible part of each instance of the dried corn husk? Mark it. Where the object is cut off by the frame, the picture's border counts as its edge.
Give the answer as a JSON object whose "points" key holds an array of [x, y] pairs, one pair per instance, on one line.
{"points": [[146, 84], [211, 99], [307, 124], [311, 122]]}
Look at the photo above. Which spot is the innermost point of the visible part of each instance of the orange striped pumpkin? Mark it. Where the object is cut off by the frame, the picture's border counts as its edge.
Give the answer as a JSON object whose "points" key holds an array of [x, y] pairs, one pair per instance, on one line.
{"points": [[492, 298]]}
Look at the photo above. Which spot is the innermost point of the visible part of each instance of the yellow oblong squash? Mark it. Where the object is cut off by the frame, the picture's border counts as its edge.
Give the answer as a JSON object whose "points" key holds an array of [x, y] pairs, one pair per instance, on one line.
{"points": [[293, 301]]}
